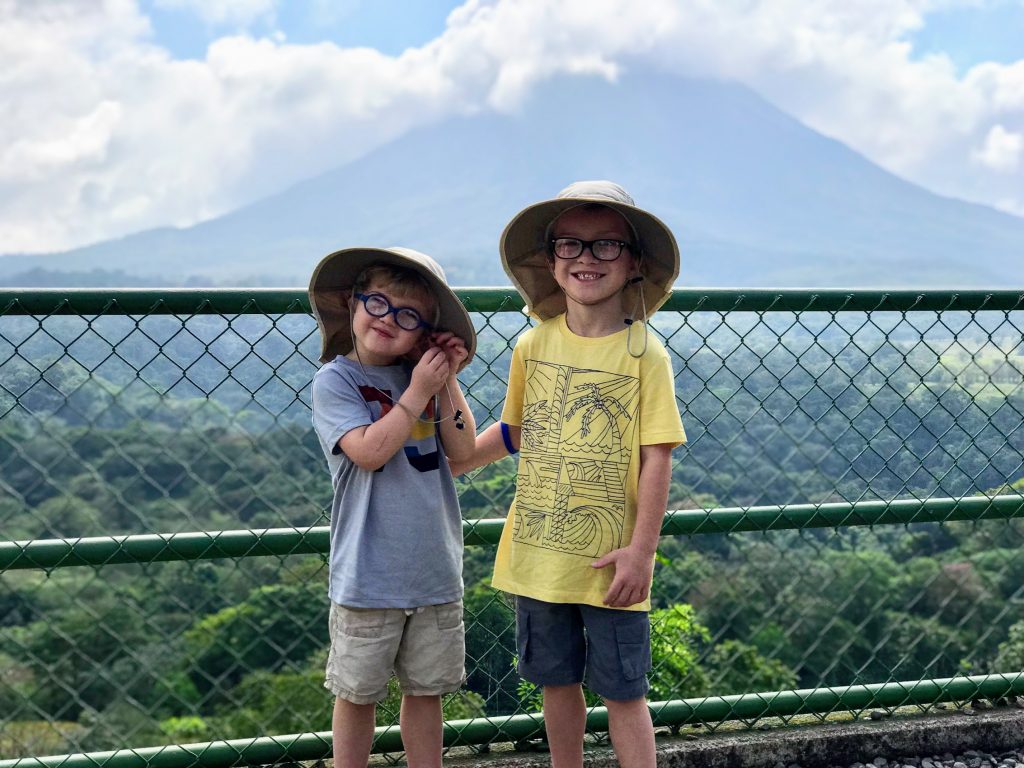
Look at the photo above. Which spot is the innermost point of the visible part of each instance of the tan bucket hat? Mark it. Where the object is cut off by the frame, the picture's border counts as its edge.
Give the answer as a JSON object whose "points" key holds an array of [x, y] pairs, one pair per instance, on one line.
{"points": [[331, 286], [524, 250]]}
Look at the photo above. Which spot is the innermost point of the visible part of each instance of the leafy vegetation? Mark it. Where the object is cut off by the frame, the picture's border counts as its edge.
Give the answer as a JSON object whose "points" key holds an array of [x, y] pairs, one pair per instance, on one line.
{"points": [[96, 658]]}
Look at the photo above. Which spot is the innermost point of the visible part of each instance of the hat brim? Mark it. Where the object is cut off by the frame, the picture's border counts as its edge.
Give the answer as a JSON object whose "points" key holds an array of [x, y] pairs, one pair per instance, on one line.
{"points": [[524, 255], [330, 288]]}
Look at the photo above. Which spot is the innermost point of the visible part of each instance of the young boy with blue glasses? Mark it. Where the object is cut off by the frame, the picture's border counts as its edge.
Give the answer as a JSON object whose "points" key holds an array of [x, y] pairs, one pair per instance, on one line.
{"points": [[389, 413], [591, 406]]}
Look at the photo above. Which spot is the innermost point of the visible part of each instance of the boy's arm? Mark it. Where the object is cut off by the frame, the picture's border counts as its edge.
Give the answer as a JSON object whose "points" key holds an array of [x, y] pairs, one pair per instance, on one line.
{"points": [[634, 563], [490, 446], [371, 447]]}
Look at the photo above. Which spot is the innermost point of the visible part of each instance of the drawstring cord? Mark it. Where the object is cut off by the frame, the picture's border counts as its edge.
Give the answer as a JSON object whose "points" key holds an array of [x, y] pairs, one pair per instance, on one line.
{"points": [[631, 322]]}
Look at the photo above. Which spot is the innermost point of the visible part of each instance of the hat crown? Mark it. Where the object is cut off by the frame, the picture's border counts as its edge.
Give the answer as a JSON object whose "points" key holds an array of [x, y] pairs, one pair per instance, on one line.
{"points": [[420, 258], [598, 191]]}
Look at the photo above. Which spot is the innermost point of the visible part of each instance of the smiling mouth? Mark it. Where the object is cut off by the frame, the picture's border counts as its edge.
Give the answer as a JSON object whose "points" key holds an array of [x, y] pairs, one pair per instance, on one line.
{"points": [[587, 276]]}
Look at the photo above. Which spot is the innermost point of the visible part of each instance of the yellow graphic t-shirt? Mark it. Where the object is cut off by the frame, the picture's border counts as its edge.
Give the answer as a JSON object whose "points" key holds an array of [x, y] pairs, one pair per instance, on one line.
{"points": [[585, 406]]}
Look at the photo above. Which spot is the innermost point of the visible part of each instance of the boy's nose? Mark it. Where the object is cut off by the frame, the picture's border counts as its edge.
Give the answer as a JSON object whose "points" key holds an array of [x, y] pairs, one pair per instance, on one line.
{"points": [[388, 319]]}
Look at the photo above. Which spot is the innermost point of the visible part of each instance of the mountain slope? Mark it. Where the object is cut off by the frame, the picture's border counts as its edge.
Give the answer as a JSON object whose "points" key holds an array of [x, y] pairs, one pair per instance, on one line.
{"points": [[754, 197]]}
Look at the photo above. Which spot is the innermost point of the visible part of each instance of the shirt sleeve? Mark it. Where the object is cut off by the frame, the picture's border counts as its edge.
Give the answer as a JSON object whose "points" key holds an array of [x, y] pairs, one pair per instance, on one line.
{"points": [[512, 410], [659, 415], [338, 408]]}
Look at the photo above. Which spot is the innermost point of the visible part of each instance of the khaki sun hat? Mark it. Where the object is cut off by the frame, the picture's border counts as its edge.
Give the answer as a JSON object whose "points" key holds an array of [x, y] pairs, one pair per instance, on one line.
{"points": [[524, 250], [331, 286]]}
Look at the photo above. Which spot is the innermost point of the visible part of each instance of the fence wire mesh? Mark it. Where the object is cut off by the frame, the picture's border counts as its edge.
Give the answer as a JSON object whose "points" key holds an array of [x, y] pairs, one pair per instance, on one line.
{"points": [[142, 413]]}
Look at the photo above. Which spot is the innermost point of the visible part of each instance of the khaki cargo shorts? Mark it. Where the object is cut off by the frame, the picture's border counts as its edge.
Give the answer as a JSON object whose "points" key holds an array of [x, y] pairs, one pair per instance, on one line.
{"points": [[424, 647]]}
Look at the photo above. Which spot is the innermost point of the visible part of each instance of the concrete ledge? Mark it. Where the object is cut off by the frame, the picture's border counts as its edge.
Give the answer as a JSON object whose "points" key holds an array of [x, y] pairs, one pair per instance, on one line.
{"points": [[810, 746]]}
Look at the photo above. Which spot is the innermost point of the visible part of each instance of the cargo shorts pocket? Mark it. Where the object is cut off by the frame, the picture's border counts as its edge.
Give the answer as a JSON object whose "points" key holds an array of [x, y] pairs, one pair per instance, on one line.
{"points": [[449, 615], [523, 639], [363, 622], [634, 648]]}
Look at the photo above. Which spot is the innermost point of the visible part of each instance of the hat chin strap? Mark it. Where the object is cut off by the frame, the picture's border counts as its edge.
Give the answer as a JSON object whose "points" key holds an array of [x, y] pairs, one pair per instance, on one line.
{"points": [[631, 321]]}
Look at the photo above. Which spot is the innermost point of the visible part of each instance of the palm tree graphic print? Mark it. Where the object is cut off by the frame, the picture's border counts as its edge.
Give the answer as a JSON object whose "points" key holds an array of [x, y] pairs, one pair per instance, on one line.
{"points": [[577, 432]]}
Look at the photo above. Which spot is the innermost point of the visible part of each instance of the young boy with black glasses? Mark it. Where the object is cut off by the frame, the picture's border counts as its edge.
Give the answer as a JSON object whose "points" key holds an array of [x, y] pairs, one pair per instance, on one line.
{"points": [[389, 414]]}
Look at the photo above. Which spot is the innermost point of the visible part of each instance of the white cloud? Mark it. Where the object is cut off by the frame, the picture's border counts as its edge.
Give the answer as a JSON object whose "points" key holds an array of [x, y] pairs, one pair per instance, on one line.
{"points": [[99, 143], [104, 133], [1002, 150]]}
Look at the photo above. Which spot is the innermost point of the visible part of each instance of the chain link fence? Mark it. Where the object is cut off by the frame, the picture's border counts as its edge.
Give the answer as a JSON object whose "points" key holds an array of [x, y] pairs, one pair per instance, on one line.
{"points": [[845, 526]]}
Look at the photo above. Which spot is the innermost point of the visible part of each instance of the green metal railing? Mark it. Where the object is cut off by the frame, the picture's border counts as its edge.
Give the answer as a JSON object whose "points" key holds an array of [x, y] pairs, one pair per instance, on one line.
{"points": [[844, 529], [517, 728], [212, 545]]}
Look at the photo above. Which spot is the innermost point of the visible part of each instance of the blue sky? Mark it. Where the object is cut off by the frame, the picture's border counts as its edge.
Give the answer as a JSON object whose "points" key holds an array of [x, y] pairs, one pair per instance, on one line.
{"points": [[992, 31], [125, 115], [389, 26]]}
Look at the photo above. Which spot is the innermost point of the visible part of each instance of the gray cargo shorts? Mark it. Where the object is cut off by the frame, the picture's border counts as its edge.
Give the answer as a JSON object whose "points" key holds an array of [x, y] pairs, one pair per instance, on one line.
{"points": [[424, 647]]}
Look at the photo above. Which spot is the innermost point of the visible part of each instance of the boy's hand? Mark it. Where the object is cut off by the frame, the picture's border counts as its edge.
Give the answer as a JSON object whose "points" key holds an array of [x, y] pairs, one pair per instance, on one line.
{"points": [[633, 573], [430, 373], [454, 349]]}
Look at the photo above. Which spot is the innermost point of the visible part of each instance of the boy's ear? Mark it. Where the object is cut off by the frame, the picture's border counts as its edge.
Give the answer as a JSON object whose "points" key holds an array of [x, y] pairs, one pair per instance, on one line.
{"points": [[638, 264]]}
